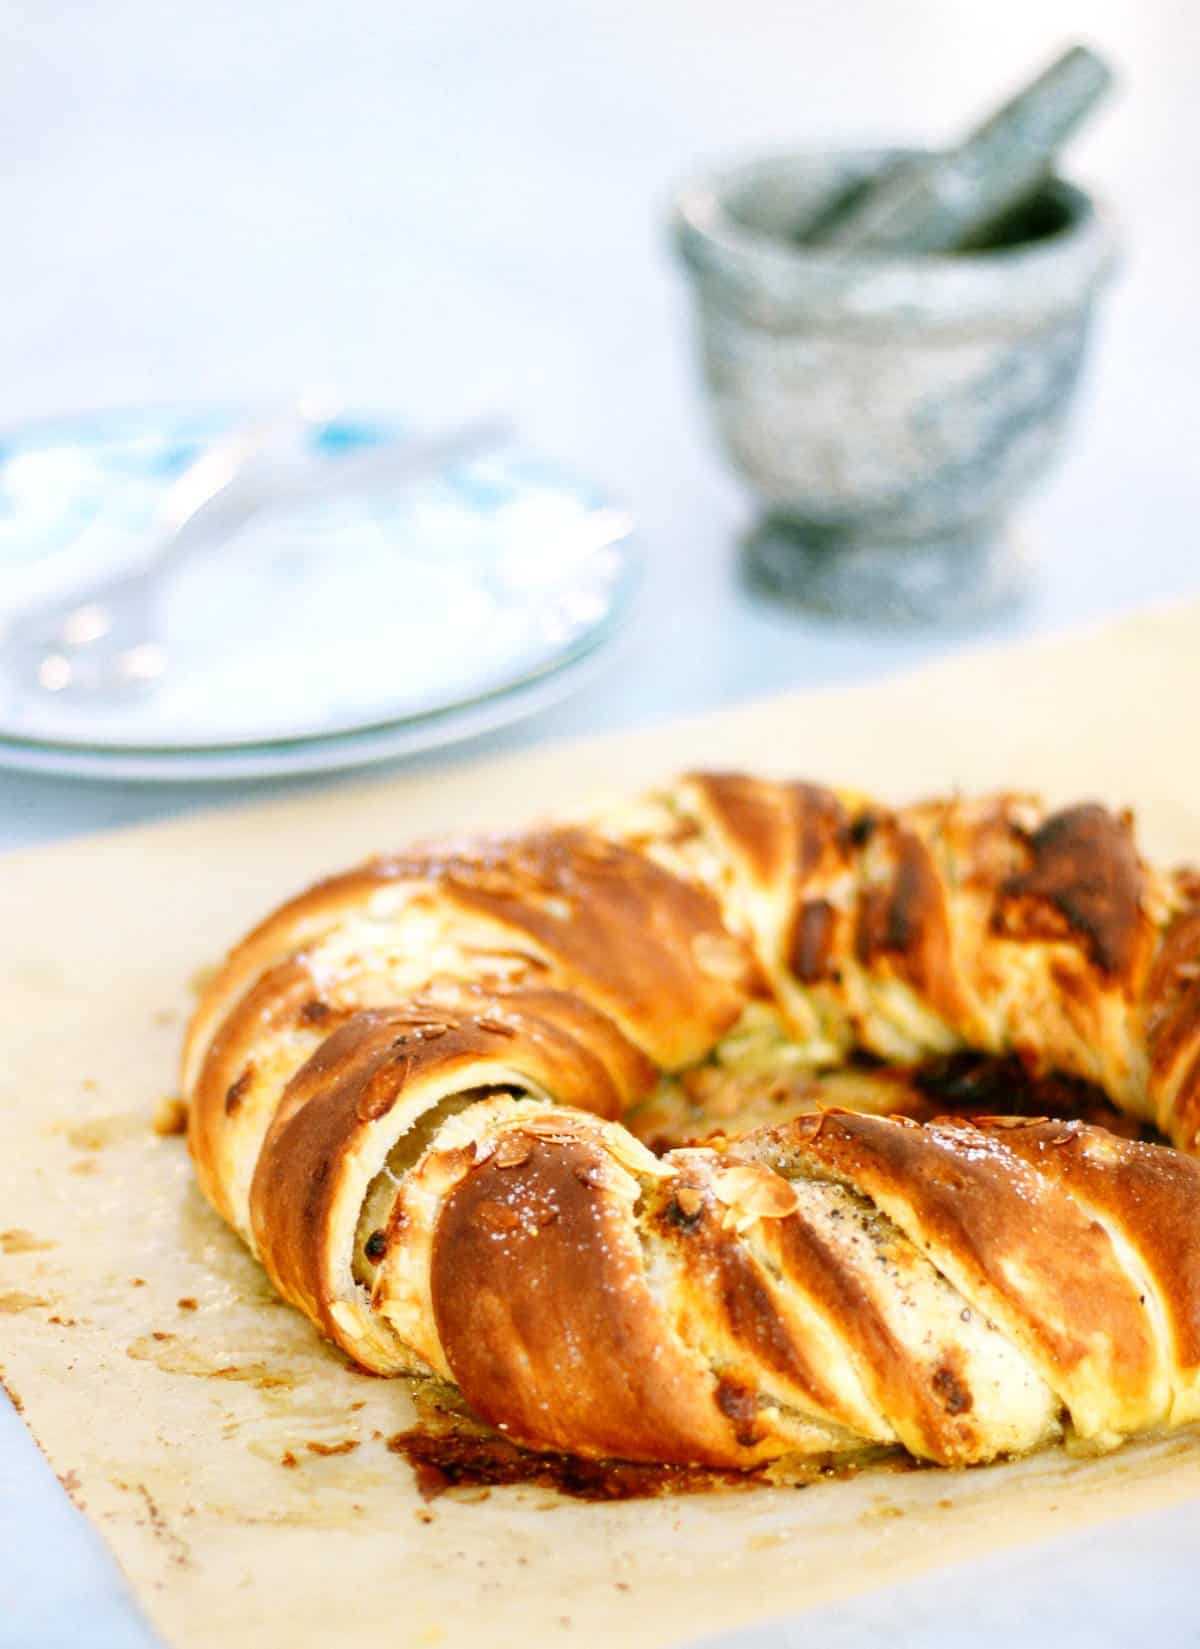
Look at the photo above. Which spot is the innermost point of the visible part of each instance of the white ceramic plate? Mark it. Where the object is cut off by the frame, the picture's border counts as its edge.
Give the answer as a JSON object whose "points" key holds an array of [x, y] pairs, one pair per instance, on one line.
{"points": [[334, 754], [374, 614]]}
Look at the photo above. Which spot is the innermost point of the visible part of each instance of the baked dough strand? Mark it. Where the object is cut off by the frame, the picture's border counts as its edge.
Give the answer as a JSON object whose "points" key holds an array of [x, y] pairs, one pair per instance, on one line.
{"points": [[406, 1091]]}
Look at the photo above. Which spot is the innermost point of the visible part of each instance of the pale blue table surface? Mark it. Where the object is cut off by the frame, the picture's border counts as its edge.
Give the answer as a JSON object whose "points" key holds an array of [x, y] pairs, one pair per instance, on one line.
{"points": [[456, 207]]}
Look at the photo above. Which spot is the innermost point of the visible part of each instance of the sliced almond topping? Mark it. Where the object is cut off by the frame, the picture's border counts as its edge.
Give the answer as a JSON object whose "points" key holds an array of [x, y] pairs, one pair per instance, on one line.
{"points": [[455, 1160], [755, 1190], [689, 1201], [512, 1151], [498, 1027], [494, 1216], [631, 1155], [382, 1091], [424, 1030], [558, 1127]]}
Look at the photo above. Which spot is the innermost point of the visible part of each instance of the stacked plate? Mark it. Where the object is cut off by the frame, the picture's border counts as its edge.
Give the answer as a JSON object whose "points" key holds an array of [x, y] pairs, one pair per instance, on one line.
{"points": [[358, 629]]}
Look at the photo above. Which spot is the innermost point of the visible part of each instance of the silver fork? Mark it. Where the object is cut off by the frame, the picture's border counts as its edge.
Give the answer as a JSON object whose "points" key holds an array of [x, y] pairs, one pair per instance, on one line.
{"points": [[105, 642]]}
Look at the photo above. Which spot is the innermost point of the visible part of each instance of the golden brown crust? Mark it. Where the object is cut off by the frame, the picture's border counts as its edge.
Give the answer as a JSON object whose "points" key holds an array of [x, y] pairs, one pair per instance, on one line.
{"points": [[741, 1285], [931, 1414], [548, 1324], [359, 1074], [809, 949], [713, 1263], [275, 939], [227, 1086], [781, 832], [1147, 1194], [903, 923], [405, 1089], [644, 946], [1083, 881], [1173, 1028], [1011, 1239]]}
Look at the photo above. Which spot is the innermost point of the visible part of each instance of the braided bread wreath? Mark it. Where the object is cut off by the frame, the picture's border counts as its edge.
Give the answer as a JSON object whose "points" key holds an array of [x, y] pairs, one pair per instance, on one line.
{"points": [[408, 1091]]}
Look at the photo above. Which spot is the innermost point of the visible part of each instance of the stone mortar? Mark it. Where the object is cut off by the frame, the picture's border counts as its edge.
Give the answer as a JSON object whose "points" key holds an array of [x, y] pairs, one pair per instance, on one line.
{"points": [[888, 411]]}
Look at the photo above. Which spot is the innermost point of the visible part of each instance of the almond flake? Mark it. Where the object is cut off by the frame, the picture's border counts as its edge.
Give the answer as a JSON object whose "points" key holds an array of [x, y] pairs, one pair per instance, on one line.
{"points": [[422, 1032], [512, 1151], [382, 1091], [689, 1201], [756, 1191], [494, 1216], [498, 1027], [630, 1153], [555, 1127]]}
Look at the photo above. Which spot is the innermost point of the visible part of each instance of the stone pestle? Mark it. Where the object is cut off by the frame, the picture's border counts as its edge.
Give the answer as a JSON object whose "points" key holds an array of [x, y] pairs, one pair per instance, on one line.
{"points": [[949, 201]]}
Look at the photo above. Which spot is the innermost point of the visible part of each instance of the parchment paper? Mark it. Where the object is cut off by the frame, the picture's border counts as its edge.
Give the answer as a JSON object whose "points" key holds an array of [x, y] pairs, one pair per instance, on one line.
{"points": [[170, 1390]]}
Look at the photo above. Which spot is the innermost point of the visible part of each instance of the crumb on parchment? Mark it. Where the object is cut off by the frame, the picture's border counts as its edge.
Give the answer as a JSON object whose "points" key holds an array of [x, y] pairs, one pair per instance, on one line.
{"points": [[170, 1117]]}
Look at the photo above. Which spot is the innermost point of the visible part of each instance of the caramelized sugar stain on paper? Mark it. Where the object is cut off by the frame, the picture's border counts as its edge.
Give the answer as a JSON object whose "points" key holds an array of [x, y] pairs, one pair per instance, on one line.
{"points": [[239, 1469]]}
